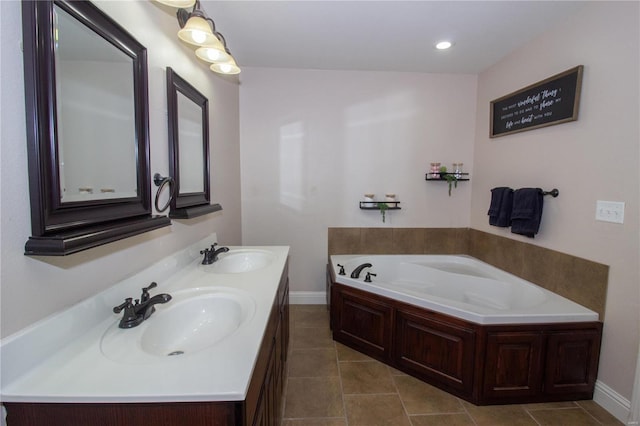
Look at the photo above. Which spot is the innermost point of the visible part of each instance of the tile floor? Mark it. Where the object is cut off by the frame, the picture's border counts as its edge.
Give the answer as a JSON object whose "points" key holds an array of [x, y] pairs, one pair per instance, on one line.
{"points": [[329, 384]]}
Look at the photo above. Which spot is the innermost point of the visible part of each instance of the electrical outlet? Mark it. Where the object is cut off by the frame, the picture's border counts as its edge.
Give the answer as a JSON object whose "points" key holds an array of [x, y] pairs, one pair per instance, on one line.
{"points": [[610, 211]]}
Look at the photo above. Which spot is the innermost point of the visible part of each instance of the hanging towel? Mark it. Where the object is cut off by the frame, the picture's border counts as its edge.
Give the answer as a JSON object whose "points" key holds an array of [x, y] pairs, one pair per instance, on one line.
{"points": [[527, 211], [500, 207]]}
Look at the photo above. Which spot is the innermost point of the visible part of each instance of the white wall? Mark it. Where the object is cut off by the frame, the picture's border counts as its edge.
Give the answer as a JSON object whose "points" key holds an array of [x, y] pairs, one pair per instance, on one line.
{"points": [[35, 287], [594, 158], [313, 142]]}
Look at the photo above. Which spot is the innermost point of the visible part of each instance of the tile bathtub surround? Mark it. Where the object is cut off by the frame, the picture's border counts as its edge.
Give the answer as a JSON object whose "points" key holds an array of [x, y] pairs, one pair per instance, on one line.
{"points": [[580, 280], [329, 384]]}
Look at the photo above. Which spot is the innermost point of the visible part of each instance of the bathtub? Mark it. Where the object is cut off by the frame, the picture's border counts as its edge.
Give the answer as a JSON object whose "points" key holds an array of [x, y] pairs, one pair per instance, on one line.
{"points": [[460, 286]]}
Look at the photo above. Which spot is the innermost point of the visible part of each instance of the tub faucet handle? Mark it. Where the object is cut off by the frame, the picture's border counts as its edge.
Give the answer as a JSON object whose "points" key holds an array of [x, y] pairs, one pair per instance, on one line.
{"points": [[341, 269], [367, 279]]}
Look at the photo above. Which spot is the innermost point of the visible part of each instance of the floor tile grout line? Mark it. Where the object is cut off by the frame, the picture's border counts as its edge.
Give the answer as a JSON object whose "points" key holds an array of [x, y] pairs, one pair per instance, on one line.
{"points": [[344, 404], [404, 407], [464, 408], [531, 415]]}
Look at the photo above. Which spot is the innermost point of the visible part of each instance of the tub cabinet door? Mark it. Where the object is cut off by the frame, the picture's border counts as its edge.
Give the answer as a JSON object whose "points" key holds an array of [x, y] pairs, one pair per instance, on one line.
{"points": [[361, 322], [572, 362], [513, 365], [436, 350]]}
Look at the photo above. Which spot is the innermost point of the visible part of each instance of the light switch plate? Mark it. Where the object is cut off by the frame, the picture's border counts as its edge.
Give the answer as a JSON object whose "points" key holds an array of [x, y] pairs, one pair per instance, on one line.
{"points": [[610, 211]]}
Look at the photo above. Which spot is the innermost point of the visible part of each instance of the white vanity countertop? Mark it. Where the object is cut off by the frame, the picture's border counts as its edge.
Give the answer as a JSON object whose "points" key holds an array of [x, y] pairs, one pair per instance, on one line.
{"points": [[78, 371]]}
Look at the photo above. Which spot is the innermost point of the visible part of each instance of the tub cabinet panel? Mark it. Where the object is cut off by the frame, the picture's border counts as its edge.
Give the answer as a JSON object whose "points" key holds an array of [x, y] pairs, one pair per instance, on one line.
{"points": [[484, 364], [572, 361], [513, 364], [436, 350], [362, 322]]}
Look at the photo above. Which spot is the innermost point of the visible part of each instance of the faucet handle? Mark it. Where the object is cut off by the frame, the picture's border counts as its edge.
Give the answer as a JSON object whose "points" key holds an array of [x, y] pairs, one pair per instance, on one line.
{"points": [[341, 269], [152, 285], [145, 291], [127, 304], [367, 279]]}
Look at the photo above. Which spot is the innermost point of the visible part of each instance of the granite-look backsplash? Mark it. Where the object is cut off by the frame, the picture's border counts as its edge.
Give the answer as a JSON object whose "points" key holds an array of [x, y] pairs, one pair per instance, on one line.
{"points": [[577, 279]]}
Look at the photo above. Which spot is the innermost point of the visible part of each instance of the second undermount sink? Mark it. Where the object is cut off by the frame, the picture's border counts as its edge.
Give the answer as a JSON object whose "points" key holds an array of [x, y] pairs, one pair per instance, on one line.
{"points": [[243, 260], [192, 321]]}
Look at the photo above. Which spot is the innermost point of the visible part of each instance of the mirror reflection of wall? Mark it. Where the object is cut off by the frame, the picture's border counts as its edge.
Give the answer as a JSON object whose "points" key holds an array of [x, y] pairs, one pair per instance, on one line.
{"points": [[96, 116], [191, 153]]}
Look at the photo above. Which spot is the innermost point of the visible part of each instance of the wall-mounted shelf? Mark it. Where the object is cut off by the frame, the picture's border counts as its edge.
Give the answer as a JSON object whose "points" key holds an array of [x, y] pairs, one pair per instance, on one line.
{"points": [[373, 205], [440, 176]]}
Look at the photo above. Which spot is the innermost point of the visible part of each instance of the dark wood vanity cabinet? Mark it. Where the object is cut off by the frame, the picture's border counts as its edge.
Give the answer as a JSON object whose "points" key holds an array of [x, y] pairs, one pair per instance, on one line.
{"points": [[262, 406], [484, 364]]}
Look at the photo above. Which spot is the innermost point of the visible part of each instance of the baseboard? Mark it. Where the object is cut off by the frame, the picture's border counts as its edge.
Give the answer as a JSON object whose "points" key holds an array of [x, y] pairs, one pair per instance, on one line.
{"points": [[308, 298], [612, 401]]}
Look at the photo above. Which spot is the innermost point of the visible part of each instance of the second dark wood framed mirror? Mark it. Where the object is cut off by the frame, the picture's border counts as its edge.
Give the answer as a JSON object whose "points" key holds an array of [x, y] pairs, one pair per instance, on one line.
{"points": [[189, 165]]}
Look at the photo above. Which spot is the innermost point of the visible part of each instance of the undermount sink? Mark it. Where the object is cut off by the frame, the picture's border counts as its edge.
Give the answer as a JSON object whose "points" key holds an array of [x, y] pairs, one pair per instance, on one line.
{"points": [[193, 320], [237, 261]]}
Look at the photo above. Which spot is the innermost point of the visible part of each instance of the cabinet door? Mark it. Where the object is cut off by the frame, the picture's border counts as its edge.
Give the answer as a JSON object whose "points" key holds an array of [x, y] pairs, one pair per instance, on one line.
{"points": [[513, 365], [435, 351], [572, 362], [361, 322]]}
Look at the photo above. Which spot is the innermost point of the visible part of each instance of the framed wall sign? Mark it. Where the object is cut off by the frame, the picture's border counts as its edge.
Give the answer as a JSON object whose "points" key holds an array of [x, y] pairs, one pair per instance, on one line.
{"points": [[551, 101]]}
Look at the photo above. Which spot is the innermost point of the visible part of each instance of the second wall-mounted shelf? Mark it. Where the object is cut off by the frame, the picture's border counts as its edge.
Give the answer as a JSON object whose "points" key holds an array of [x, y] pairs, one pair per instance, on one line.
{"points": [[440, 176]]}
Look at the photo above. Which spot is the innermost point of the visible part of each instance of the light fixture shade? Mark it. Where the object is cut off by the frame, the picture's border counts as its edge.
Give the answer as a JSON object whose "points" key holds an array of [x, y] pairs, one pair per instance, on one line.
{"points": [[225, 67], [182, 4], [213, 53], [197, 31]]}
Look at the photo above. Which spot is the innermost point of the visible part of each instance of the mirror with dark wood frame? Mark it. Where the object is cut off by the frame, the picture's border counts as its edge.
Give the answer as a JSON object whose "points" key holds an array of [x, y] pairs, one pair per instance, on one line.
{"points": [[188, 116], [86, 99]]}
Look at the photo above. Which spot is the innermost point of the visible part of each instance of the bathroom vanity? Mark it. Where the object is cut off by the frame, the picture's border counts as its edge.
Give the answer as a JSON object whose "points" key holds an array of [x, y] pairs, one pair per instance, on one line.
{"points": [[77, 375]]}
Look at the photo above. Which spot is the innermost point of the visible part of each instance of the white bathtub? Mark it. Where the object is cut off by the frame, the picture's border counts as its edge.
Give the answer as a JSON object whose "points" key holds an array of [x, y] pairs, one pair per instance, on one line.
{"points": [[461, 286]]}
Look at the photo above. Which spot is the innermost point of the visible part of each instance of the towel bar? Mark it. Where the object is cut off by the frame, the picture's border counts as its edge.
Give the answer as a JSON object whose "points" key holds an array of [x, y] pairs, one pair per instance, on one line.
{"points": [[554, 192]]}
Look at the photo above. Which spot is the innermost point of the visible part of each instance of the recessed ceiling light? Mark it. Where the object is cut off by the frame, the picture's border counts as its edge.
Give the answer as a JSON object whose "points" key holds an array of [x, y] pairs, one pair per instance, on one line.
{"points": [[443, 45]]}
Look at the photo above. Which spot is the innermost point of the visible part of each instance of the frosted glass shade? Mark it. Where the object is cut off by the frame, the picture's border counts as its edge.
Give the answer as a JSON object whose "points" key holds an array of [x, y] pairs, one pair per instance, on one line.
{"points": [[213, 53], [225, 67], [197, 31]]}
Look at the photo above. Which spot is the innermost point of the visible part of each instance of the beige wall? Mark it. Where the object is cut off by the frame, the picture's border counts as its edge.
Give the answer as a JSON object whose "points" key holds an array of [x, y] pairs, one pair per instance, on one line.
{"points": [[313, 142], [595, 158], [33, 288]]}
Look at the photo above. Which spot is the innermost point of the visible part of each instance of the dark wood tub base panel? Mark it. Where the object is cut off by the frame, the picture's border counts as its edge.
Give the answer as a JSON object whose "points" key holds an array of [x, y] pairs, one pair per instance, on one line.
{"points": [[482, 364]]}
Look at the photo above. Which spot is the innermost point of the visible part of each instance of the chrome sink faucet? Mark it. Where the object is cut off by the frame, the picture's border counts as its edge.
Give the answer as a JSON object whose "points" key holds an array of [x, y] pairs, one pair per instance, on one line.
{"points": [[136, 313], [356, 272], [211, 254]]}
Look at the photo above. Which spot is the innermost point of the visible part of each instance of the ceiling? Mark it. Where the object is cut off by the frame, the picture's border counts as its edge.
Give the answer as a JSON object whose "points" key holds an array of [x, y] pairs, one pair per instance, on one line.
{"points": [[381, 35]]}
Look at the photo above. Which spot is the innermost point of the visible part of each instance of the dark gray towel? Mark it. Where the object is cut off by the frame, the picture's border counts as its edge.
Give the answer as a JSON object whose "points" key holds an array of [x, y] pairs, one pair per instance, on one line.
{"points": [[500, 207], [527, 211]]}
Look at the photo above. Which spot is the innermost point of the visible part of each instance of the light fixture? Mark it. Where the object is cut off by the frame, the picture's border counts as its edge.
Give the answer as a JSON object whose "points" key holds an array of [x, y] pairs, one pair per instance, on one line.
{"points": [[198, 29], [443, 45]]}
